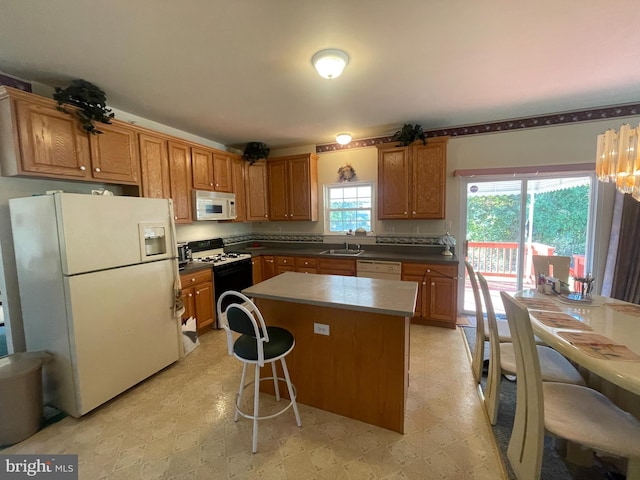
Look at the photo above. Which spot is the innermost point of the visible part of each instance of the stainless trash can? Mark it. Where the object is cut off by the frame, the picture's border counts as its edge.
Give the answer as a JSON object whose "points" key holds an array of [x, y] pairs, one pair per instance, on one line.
{"points": [[20, 396]]}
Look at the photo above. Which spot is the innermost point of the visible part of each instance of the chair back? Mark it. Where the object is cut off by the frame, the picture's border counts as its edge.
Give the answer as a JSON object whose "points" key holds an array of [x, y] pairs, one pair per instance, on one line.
{"points": [[492, 394], [556, 266], [242, 317], [478, 352], [527, 437]]}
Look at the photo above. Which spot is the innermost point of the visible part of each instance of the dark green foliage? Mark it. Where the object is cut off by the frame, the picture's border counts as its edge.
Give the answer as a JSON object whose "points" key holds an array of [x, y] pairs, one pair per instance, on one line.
{"points": [[254, 151], [90, 100], [408, 134], [559, 219]]}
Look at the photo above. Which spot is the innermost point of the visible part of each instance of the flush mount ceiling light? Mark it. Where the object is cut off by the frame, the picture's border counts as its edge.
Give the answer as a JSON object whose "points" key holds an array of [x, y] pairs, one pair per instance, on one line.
{"points": [[330, 63], [343, 138]]}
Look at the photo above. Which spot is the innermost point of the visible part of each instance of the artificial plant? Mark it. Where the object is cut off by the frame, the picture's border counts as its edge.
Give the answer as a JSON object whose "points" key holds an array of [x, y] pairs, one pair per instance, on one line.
{"points": [[254, 151], [408, 134], [90, 100]]}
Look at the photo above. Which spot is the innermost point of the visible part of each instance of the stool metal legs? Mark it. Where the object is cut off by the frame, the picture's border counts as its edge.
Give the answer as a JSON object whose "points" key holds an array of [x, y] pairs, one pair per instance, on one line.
{"points": [[256, 397]]}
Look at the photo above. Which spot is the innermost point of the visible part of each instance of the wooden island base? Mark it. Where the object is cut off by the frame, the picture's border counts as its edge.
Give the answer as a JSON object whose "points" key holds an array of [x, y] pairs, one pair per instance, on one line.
{"points": [[360, 370]]}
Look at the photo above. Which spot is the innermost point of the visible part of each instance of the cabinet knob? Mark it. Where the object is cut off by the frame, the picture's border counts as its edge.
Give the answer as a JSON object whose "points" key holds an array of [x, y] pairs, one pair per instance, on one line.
{"points": [[211, 184], [424, 283], [175, 218], [265, 215], [83, 168], [193, 279], [405, 213], [198, 293], [98, 170], [216, 184], [428, 270], [433, 284], [190, 295], [414, 212]]}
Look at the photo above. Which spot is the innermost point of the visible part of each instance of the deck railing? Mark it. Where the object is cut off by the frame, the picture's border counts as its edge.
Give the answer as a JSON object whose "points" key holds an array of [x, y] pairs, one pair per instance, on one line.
{"points": [[501, 258]]}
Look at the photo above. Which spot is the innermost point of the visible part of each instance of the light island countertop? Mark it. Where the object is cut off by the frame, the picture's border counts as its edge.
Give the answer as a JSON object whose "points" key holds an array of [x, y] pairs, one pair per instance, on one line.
{"points": [[391, 297]]}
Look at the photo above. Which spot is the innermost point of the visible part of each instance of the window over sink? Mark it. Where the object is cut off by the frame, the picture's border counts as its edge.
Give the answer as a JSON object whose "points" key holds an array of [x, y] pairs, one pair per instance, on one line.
{"points": [[349, 206]]}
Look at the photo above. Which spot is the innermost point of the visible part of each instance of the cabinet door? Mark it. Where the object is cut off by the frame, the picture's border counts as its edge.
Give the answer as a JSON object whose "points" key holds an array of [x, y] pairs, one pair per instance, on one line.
{"points": [[222, 173], [189, 304], [285, 264], [256, 188], [420, 303], [393, 182], [205, 314], [202, 168], [277, 174], [428, 167], [256, 265], [51, 142], [180, 179], [238, 171], [114, 154], [268, 267], [154, 162], [302, 188], [442, 300]]}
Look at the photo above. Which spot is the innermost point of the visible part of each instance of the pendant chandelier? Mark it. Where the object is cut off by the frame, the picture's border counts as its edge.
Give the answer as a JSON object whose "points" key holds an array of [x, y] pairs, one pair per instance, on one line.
{"points": [[617, 160]]}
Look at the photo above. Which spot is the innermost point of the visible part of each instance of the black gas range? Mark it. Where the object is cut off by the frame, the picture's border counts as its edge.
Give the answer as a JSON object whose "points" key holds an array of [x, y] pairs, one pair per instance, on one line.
{"points": [[231, 271]]}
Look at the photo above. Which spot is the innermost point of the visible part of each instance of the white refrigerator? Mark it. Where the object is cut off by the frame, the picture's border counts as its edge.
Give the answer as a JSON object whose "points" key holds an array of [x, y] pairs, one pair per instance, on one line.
{"points": [[97, 284]]}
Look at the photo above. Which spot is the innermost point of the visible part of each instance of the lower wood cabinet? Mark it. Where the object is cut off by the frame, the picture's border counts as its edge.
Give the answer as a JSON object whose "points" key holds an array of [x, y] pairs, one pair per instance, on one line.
{"points": [[285, 264], [197, 294], [268, 267], [332, 266], [256, 265], [437, 292]]}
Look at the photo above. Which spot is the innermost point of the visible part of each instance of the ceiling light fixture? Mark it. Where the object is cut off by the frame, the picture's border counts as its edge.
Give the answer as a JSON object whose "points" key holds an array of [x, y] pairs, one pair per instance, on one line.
{"points": [[343, 138], [330, 63], [618, 159]]}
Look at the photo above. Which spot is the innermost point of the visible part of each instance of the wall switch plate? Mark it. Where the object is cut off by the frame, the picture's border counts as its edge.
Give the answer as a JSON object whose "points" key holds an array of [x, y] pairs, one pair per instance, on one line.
{"points": [[321, 328]]}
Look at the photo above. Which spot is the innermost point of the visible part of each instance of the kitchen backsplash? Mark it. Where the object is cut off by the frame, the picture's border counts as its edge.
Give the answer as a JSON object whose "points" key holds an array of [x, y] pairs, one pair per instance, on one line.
{"points": [[384, 239]]}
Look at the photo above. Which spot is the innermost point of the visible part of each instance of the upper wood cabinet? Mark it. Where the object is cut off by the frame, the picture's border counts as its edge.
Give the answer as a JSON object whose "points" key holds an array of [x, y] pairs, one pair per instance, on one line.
{"points": [[238, 174], [202, 168], [39, 140], [412, 180], [256, 187], [180, 180], [293, 187], [114, 154], [222, 175], [154, 163]]}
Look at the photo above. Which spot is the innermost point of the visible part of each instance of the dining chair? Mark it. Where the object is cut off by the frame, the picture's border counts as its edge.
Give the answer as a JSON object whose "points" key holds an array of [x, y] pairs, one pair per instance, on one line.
{"points": [[556, 266], [482, 328], [256, 345], [573, 412], [553, 366]]}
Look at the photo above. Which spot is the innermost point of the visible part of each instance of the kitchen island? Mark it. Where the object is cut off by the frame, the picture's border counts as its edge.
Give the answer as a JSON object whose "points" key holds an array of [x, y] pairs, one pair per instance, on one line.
{"points": [[352, 341]]}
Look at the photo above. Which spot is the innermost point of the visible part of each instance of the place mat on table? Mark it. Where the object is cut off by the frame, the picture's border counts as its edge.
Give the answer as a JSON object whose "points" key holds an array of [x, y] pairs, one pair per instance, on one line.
{"points": [[538, 303], [560, 320], [599, 346], [628, 308]]}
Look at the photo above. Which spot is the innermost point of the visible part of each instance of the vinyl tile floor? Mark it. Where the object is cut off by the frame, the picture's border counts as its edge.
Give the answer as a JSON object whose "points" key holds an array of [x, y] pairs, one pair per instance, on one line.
{"points": [[179, 424]]}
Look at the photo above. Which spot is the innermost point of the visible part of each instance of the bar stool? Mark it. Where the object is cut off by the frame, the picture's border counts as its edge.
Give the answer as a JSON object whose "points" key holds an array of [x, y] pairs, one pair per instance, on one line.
{"points": [[257, 345]]}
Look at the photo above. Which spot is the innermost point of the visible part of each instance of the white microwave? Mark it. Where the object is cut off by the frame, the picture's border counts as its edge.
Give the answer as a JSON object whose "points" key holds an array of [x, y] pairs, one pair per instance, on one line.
{"points": [[214, 205]]}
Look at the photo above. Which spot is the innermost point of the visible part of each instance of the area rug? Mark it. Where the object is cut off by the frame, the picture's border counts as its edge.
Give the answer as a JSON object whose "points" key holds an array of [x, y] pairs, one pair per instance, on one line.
{"points": [[554, 467]]}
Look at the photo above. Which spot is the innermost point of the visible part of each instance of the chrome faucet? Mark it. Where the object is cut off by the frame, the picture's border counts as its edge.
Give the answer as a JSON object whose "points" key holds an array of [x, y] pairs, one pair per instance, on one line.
{"points": [[346, 245]]}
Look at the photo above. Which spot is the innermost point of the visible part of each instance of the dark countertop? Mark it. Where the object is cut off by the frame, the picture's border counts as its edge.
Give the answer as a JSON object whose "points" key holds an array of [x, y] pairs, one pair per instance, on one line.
{"points": [[398, 253], [194, 267]]}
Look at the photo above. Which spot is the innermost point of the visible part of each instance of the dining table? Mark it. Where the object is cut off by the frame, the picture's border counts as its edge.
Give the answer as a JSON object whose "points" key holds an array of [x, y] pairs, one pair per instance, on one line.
{"points": [[599, 334]]}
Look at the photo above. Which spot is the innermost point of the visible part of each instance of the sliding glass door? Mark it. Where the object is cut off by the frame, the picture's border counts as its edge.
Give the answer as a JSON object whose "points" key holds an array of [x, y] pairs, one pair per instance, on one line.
{"points": [[507, 221]]}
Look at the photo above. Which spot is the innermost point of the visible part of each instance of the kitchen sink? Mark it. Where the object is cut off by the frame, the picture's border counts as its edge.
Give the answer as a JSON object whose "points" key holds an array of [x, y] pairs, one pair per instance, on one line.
{"points": [[342, 251]]}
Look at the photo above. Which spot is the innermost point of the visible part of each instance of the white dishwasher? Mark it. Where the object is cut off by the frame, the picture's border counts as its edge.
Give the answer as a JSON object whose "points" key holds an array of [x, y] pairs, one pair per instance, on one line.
{"points": [[379, 269]]}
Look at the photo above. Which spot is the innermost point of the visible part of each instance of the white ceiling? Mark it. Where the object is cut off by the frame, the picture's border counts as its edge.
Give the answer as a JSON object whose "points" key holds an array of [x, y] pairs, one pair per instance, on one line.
{"points": [[235, 71]]}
